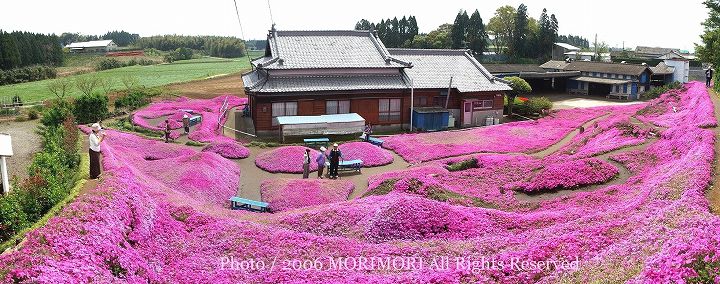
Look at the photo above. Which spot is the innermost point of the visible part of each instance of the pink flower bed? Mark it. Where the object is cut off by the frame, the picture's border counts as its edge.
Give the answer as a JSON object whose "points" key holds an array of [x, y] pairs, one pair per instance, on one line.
{"points": [[287, 159], [371, 155], [567, 175], [288, 194], [174, 110], [228, 149], [525, 136], [693, 104], [141, 225]]}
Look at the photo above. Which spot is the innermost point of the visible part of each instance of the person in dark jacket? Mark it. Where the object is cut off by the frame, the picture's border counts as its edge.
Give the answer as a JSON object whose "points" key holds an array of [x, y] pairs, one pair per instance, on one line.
{"points": [[167, 131], [186, 123], [708, 76], [306, 163], [335, 158]]}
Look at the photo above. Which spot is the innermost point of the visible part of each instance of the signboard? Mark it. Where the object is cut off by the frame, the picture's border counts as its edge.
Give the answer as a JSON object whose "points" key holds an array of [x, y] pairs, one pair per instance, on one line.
{"points": [[5, 145]]}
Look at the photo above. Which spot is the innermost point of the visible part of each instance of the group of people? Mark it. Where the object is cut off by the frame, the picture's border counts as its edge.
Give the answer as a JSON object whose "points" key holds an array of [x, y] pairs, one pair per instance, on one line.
{"points": [[186, 127], [325, 159]]}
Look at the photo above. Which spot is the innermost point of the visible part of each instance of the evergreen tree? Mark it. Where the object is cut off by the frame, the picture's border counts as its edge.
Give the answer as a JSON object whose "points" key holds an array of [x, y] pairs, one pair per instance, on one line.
{"points": [[520, 33], [459, 30], [476, 36]]}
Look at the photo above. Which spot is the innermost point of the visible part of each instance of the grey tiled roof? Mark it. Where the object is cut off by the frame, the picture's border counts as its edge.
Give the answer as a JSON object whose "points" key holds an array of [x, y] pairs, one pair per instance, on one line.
{"points": [[662, 69], [326, 49], [257, 82], [432, 69], [600, 67]]}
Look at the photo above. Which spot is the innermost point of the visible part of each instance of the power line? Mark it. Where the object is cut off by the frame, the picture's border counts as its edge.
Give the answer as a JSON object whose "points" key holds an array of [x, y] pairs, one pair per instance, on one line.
{"points": [[242, 33], [271, 15]]}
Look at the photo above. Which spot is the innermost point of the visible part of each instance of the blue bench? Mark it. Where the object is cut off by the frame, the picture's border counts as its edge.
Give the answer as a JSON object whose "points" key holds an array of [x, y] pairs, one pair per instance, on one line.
{"points": [[375, 141], [238, 203], [316, 142], [351, 165]]}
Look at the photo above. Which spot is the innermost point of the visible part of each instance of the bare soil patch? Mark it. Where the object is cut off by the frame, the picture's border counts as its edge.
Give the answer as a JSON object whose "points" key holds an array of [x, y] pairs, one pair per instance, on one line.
{"points": [[209, 88]]}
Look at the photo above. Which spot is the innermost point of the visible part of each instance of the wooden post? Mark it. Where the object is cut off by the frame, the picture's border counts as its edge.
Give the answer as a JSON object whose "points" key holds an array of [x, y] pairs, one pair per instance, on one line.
{"points": [[447, 99], [5, 181]]}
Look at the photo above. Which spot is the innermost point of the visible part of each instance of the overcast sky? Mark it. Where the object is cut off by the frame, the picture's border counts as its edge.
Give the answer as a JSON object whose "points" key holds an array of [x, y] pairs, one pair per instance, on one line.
{"points": [[674, 24]]}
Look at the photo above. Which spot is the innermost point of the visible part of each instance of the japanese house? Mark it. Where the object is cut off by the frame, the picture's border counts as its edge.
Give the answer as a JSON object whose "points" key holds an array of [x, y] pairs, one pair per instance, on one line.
{"points": [[626, 81], [313, 73]]}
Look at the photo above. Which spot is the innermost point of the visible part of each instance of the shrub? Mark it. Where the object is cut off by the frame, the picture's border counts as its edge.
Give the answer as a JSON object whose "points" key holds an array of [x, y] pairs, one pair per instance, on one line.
{"points": [[26, 74], [108, 63], [91, 108], [536, 105], [33, 114], [463, 165], [13, 218], [655, 92], [136, 98], [56, 113]]}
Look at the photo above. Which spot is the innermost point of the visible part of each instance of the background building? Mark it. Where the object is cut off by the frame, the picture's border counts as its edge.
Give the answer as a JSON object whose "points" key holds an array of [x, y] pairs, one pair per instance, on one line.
{"points": [[92, 46]]}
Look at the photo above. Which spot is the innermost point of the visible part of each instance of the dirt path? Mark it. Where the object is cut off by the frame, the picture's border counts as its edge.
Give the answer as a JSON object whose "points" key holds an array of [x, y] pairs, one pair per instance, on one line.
{"points": [[713, 193], [566, 140], [25, 143], [252, 176]]}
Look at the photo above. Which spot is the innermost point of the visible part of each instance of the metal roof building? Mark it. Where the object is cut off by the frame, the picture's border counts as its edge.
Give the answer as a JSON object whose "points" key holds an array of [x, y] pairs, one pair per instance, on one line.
{"points": [[92, 46]]}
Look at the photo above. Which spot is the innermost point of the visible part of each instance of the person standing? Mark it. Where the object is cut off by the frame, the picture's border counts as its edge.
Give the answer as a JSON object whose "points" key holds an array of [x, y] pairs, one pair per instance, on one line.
{"points": [[167, 131], [708, 76], [306, 163], [186, 123], [335, 157], [320, 160], [368, 130], [95, 138]]}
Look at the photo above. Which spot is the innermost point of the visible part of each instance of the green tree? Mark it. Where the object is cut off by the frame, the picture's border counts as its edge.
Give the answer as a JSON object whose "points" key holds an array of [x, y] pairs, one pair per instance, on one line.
{"points": [[459, 30], [501, 26], [520, 87], [709, 51], [520, 33], [477, 38]]}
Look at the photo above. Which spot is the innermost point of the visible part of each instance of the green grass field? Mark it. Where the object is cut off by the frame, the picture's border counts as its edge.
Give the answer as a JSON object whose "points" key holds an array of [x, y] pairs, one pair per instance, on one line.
{"points": [[148, 76]]}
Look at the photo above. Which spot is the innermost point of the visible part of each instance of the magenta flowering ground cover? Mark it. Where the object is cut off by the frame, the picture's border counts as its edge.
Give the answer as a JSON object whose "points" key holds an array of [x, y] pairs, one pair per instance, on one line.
{"points": [[286, 194], [524, 136], [228, 149], [286, 159], [371, 155], [567, 175], [139, 227]]}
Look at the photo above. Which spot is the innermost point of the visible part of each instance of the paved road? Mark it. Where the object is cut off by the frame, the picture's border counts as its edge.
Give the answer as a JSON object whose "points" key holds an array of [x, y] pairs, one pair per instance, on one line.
{"points": [[25, 142]]}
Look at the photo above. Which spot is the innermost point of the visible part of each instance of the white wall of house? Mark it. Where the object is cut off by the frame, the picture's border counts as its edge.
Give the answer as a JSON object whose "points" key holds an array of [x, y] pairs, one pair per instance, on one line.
{"points": [[682, 69]]}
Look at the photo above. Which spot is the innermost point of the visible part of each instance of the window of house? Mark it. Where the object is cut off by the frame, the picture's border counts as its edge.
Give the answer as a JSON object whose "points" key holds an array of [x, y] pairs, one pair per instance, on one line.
{"points": [[440, 100], [421, 101], [389, 110], [483, 104], [283, 109], [337, 107]]}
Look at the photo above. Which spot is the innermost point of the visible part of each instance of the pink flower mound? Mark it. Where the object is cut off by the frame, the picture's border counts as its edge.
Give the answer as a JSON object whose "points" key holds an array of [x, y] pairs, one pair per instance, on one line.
{"points": [[692, 105], [287, 159], [422, 171], [371, 155], [569, 175], [288, 194], [527, 136], [174, 110], [228, 149]]}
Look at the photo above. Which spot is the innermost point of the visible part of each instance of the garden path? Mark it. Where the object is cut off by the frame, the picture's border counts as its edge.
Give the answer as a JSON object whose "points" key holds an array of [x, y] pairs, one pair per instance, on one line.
{"points": [[713, 193]]}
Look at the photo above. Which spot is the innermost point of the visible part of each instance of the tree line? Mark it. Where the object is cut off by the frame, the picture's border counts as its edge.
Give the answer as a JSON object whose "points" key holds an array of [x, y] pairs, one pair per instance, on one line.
{"points": [[392, 32], [576, 41], [219, 46], [121, 38], [511, 32], [21, 49]]}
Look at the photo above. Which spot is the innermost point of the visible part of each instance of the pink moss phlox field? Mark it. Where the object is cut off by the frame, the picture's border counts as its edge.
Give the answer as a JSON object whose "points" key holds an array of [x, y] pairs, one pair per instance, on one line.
{"points": [[567, 175], [693, 105], [287, 194], [140, 226], [527, 136], [371, 155], [228, 149], [174, 110], [286, 159]]}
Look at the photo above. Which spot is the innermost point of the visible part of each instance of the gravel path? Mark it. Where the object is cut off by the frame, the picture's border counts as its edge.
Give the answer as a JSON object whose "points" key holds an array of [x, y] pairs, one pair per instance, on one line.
{"points": [[25, 142]]}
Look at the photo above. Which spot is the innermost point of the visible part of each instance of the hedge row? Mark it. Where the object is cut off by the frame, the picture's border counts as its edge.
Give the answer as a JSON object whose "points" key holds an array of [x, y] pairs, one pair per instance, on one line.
{"points": [[26, 74]]}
